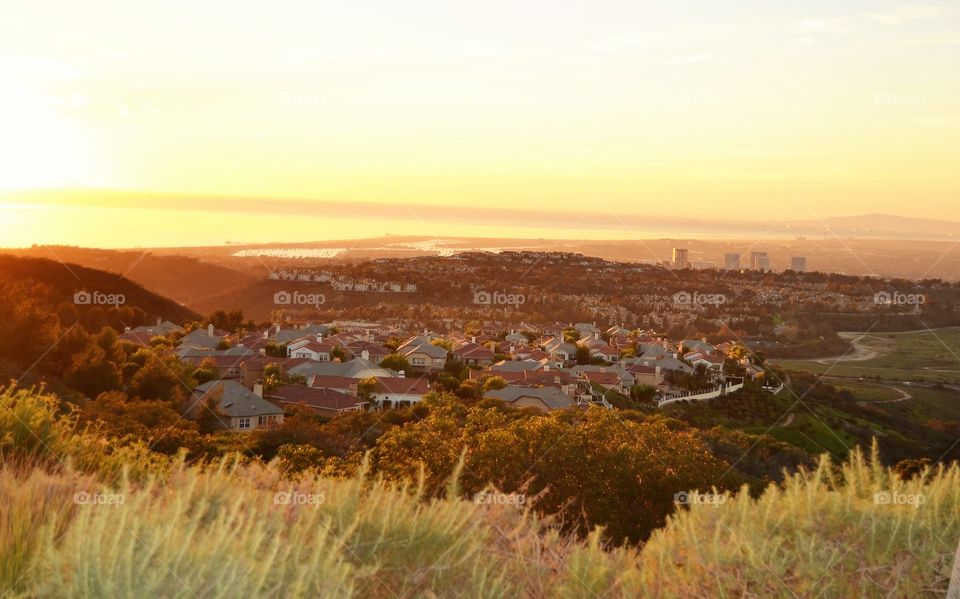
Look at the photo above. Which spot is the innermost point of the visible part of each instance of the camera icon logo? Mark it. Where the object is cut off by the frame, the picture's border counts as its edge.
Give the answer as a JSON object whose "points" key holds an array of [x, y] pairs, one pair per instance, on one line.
{"points": [[282, 298], [882, 298], [82, 298]]}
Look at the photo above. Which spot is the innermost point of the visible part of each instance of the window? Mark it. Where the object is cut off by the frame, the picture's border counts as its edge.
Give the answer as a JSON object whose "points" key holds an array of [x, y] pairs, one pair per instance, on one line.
{"points": [[243, 423]]}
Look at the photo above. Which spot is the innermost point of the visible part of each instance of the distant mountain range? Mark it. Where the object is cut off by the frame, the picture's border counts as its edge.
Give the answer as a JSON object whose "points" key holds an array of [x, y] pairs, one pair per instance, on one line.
{"points": [[884, 226]]}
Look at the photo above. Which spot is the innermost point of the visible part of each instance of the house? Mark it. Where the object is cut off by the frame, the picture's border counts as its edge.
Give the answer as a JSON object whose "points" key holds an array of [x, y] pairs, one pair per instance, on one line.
{"points": [[240, 409], [325, 402], [368, 350], [357, 368], [697, 345], [425, 356], [228, 362], [604, 378], [312, 348], [711, 362], [651, 376], [562, 353], [662, 362], [282, 336], [541, 398], [474, 354], [592, 341], [606, 353], [515, 338], [545, 377], [163, 328], [397, 391], [141, 338], [587, 328], [514, 366], [342, 384], [201, 339]]}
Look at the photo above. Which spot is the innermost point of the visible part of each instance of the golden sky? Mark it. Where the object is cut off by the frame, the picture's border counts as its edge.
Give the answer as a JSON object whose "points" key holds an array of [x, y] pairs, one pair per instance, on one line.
{"points": [[714, 109]]}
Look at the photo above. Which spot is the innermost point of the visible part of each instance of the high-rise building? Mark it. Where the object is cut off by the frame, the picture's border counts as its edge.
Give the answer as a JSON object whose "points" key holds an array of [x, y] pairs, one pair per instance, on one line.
{"points": [[759, 261], [798, 263], [731, 261], [680, 258]]}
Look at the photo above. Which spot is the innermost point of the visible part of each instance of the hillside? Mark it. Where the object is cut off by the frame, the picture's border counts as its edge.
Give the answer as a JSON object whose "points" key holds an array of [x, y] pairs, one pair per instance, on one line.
{"points": [[66, 279], [183, 279], [123, 524]]}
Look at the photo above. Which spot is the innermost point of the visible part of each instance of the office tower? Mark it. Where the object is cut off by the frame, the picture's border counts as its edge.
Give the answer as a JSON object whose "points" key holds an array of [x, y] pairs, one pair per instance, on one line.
{"points": [[731, 261], [798, 263], [680, 258], [759, 261]]}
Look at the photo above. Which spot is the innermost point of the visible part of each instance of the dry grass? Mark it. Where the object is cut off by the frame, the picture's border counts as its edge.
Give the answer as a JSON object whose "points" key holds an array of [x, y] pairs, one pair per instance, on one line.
{"points": [[222, 530]]}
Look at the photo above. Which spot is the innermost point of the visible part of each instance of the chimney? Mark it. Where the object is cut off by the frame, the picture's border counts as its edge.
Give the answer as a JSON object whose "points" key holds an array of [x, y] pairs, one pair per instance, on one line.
{"points": [[473, 339], [403, 374], [210, 330], [319, 337], [159, 321], [277, 328], [364, 355], [258, 390], [546, 368], [126, 329]]}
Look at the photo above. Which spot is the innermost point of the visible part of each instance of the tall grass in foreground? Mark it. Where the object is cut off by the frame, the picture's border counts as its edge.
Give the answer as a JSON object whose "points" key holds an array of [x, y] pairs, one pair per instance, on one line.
{"points": [[859, 532], [71, 529]]}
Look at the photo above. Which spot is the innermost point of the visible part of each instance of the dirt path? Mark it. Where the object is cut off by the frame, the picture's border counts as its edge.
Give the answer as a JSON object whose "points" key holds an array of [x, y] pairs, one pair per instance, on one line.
{"points": [[860, 352]]}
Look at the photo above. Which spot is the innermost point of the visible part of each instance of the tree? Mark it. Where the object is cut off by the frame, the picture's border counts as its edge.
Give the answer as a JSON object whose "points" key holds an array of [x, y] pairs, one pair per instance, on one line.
{"points": [[643, 393], [367, 387], [156, 423], [583, 355], [395, 362], [494, 383], [159, 379]]}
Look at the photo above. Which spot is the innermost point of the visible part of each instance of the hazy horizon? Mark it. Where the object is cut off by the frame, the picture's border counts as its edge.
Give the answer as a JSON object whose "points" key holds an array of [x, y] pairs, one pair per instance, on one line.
{"points": [[122, 219]]}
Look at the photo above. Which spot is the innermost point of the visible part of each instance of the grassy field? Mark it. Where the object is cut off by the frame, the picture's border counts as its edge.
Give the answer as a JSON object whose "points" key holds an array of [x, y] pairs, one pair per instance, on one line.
{"points": [[932, 356]]}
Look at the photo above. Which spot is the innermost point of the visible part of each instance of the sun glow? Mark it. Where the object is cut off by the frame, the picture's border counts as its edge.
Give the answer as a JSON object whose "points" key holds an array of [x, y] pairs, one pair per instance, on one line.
{"points": [[38, 146]]}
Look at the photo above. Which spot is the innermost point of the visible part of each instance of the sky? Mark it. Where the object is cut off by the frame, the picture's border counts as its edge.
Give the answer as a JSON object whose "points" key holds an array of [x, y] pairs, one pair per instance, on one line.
{"points": [[718, 110]]}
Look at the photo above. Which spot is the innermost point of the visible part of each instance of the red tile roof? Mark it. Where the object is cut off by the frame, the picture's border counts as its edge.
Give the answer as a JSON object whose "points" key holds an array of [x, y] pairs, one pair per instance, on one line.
{"points": [[326, 399]]}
